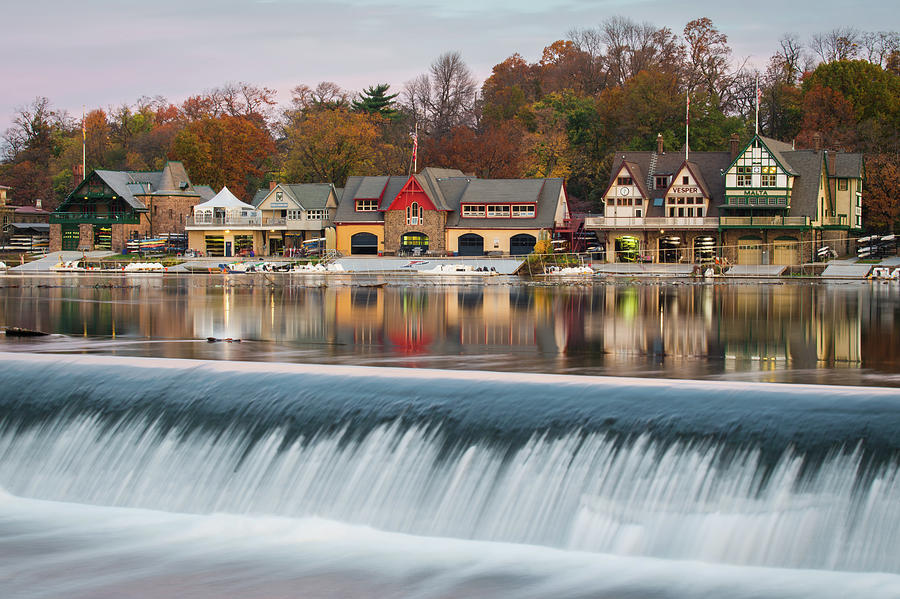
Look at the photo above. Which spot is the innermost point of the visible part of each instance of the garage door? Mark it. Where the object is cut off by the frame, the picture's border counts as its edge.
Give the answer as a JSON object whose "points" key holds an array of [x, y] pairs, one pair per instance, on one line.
{"points": [[521, 244], [750, 251], [471, 244], [364, 243], [786, 251]]}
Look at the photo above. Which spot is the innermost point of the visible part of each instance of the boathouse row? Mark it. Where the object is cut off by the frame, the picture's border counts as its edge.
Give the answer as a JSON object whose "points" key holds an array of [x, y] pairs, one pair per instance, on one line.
{"points": [[765, 203], [110, 207], [445, 211]]}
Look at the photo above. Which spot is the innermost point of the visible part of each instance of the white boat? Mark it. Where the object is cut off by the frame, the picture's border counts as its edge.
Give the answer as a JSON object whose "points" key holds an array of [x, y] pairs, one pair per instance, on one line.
{"points": [[144, 267], [459, 270], [569, 271], [3, 265]]}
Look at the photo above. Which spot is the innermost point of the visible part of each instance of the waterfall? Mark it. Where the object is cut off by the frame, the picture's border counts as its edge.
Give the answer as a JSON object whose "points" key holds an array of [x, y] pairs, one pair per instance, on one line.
{"points": [[744, 474]]}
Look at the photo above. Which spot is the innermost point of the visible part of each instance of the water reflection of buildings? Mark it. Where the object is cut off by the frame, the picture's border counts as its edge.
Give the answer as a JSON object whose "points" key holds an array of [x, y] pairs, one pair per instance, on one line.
{"points": [[677, 329]]}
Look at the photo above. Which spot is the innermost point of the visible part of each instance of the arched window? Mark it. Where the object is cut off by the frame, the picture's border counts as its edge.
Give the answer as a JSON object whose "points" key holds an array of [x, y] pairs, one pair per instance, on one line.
{"points": [[414, 214]]}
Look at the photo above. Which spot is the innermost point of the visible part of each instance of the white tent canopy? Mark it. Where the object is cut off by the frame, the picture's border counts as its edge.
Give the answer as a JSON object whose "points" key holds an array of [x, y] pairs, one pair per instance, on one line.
{"points": [[224, 205]]}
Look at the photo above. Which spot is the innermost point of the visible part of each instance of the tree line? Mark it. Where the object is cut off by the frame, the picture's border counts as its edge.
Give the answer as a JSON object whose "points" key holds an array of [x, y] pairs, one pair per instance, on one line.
{"points": [[602, 89]]}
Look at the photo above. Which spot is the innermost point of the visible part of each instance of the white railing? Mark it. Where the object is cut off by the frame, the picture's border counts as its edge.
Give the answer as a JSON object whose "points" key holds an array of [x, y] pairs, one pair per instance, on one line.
{"points": [[223, 221], [764, 221], [655, 222]]}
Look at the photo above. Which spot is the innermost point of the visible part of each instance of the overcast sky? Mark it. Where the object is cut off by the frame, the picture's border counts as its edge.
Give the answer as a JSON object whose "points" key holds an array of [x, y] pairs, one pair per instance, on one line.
{"points": [[107, 52]]}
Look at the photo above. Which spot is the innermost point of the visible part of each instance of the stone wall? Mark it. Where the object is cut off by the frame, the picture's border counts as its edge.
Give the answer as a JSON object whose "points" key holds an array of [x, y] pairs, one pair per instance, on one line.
{"points": [[168, 214], [55, 238], [433, 225]]}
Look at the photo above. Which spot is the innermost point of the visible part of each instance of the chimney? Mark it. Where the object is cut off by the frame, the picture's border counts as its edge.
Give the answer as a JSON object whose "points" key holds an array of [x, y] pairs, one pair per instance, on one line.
{"points": [[273, 185], [659, 143], [817, 142], [735, 143], [830, 156], [37, 204], [78, 173]]}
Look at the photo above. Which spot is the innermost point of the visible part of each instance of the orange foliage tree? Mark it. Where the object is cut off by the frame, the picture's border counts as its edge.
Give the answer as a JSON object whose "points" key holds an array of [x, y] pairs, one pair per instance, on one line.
{"points": [[228, 150]]}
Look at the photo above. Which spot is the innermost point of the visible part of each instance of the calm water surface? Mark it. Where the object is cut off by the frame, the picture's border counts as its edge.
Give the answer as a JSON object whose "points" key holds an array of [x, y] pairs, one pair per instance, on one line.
{"points": [[835, 333]]}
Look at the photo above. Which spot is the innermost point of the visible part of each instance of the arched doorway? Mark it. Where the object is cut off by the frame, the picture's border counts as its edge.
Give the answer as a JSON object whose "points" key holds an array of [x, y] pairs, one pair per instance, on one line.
{"points": [[414, 243], [521, 244], [786, 250], [704, 249], [669, 248], [627, 248], [470, 244], [749, 250], [364, 243]]}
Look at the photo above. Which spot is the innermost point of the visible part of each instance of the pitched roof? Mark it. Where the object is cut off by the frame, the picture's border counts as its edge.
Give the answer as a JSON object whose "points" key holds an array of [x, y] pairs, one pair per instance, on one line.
{"points": [[502, 191], [370, 188], [129, 185], [547, 199], [706, 166], [847, 165], [173, 178], [780, 150], [807, 165]]}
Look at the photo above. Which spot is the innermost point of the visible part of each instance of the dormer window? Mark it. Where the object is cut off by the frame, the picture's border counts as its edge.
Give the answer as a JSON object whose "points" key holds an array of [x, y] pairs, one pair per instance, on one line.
{"points": [[662, 182], [366, 205], [625, 181]]}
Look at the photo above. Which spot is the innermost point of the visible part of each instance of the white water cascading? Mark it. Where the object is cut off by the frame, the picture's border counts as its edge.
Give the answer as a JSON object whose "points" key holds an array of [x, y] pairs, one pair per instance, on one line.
{"points": [[760, 492]]}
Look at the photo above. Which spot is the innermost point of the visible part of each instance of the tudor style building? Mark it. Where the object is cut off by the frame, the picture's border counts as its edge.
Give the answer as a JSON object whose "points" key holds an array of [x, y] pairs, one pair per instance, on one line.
{"points": [[110, 207], [445, 211], [764, 204]]}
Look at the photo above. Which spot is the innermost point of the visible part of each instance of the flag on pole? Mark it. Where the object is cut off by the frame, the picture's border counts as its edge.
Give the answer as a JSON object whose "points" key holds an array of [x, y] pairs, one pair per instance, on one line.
{"points": [[415, 148]]}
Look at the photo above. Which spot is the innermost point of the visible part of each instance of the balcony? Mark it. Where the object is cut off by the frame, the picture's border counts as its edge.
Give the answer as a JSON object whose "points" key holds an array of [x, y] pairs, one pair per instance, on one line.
{"points": [[93, 218], [764, 222], [634, 222], [839, 220], [224, 221]]}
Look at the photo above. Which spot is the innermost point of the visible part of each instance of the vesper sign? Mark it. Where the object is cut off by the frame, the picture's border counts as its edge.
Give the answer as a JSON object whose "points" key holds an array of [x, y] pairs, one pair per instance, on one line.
{"points": [[693, 190]]}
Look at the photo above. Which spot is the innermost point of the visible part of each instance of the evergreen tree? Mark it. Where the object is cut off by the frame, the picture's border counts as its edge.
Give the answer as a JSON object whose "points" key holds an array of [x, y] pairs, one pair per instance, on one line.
{"points": [[376, 100]]}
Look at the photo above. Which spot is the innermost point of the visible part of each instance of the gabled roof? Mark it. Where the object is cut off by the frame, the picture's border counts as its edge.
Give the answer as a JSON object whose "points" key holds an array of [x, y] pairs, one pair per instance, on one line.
{"points": [[131, 185], [308, 196], [706, 166], [205, 191], [430, 180], [696, 173], [389, 187]]}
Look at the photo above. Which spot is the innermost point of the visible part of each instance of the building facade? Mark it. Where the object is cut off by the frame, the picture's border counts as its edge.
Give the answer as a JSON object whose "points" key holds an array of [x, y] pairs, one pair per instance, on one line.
{"points": [[277, 222], [110, 207], [442, 211], [765, 203]]}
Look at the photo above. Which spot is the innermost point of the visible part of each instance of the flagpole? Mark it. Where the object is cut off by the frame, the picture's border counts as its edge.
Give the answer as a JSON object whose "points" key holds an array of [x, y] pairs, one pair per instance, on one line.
{"points": [[757, 104], [416, 149], [83, 146], [687, 127]]}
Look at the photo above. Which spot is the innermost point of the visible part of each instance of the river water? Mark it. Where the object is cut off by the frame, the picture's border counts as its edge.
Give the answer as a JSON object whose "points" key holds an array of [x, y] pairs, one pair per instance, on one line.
{"points": [[742, 440]]}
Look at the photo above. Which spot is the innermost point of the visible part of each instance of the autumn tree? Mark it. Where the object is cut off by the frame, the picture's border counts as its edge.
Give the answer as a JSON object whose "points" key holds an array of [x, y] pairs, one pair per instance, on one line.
{"points": [[228, 150], [327, 146], [493, 152], [708, 62]]}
